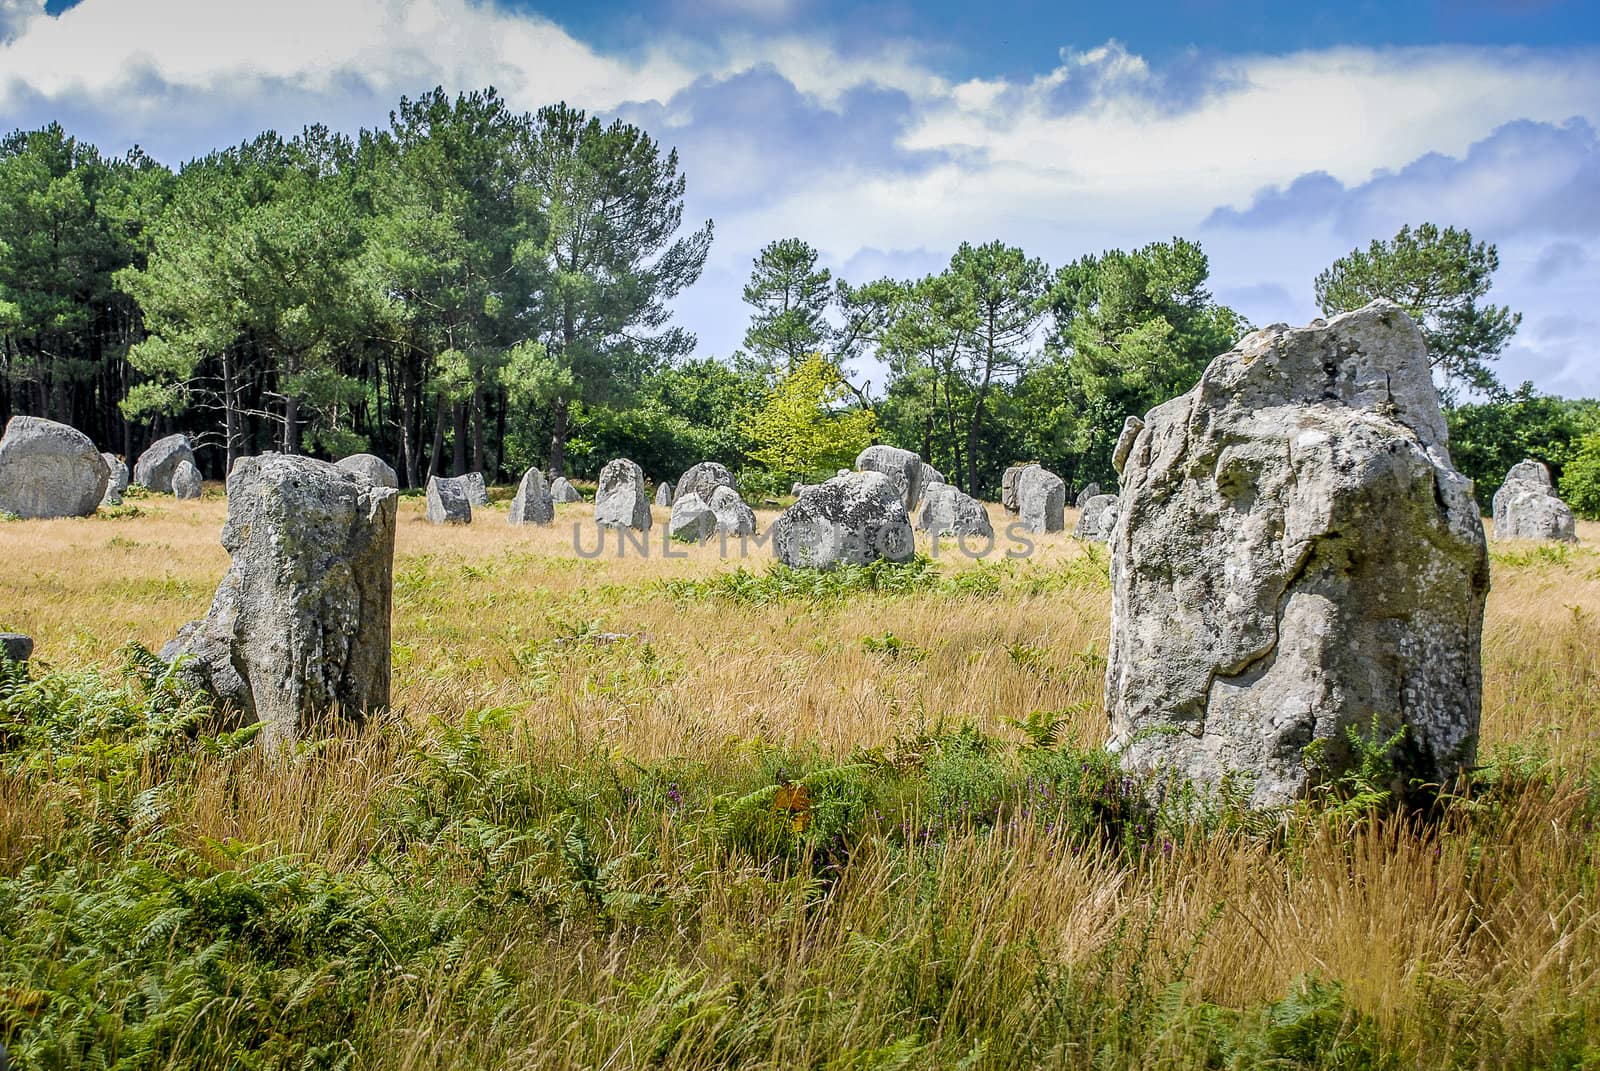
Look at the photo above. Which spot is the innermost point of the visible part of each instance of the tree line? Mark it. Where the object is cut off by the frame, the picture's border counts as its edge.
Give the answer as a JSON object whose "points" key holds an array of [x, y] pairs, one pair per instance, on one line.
{"points": [[474, 288]]}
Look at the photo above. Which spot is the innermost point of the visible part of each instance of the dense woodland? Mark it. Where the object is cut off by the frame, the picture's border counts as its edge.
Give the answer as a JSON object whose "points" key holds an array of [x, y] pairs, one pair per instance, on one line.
{"points": [[470, 288]]}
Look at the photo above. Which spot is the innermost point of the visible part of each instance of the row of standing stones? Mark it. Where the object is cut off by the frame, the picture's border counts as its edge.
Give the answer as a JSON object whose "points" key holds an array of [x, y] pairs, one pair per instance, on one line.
{"points": [[1293, 555]]}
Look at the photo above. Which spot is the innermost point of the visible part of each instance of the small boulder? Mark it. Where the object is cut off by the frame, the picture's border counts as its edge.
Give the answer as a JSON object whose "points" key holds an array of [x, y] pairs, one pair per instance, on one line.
{"points": [[1097, 519], [15, 647], [1041, 500], [856, 518], [619, 499], [117, 483], [692, 520], [373, 467], [930, 476], [477, 490], [734, 518], [1526, 507], [904, 467], [532, 504], [561, 490], [1086, 494], [186, 481], [156, 465], [946, 510], [298, 631], [664, 494], [703, 479], [447, 501], [49, 470]]}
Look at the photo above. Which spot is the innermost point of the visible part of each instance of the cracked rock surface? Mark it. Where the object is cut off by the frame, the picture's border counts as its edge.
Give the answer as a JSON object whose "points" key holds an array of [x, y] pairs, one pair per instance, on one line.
{"points": [[1294, 555]]}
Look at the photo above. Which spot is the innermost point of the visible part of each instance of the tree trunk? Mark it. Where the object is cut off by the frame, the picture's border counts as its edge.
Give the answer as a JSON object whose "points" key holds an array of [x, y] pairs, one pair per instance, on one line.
{"points": [[558, 439], [291, 425], [438, 438], [460, 459]]}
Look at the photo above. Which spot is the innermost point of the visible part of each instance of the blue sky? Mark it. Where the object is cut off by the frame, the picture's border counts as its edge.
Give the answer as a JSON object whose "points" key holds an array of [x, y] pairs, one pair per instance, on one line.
{"points": [[1279, 136]]}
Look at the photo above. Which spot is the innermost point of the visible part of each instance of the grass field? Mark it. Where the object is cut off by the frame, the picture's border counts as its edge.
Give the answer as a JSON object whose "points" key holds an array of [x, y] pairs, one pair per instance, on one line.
{"points": [[649, 811]]}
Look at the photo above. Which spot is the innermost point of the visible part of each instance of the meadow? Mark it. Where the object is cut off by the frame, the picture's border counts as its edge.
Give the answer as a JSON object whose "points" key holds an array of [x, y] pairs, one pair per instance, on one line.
{"points": [[689, 812]]}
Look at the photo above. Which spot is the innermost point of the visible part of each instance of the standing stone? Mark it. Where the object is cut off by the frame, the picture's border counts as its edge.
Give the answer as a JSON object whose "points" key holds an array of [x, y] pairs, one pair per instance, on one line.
{"points": [[1526, 507], [663, 494], [856, 518], [1086, 494], [930, 476], [447, 501], [561, 490], [156, 465], [1008, 489], [117, 482], [1041, 500], [186, 481], [373, 468], [703, 479], [904, 467], [532, 504], [15, 647], [477, 490], [298, 631], [692, 520], [619, 500], [49, 470], [1097, 519], [1298, 556], [945, 510], [734, 518]]}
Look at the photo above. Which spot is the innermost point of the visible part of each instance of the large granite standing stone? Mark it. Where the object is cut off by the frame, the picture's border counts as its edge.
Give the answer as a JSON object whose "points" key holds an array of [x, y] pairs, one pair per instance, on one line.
{"points": [[532, 504], [1297, 556], [447, 501], [561, 490], [856, 518], [734, 518], [1041, 500], [692, 520], [1097, 518], [702, 479], [931, 476], [904, 467], [1008, 489], [1526, 507], [156, 465], [1091, 491], [49, 470], [664, 494], [477, 490], [298, 631], [946, 510], [373, 467], [117, 482], [186, 480], [619, 499], [15, 647]]}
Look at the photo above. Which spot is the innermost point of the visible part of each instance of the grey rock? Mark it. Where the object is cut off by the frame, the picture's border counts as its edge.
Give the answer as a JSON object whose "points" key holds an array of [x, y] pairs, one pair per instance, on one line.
{"points": [[1097, 518], [796, 487], [298, 631], [447, 501], [1041, 500], [49, 470], [703, 479], [117, 482], [946, 510], [15, 647], [1008, 489], [1086, 494], [186, 481], [1131, 427], [373, 467], [156, 465], [1526, 507], [532, 503], [904, 467], [663, 494], [734, 518], [477, 490], [856, 518], [692, 520], [1297, 555], [930, 476], [619, 499], [561, 490]]}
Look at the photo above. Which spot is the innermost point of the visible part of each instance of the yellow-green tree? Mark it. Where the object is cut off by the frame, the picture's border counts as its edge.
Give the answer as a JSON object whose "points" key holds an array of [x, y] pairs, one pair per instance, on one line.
{"points": [[805, 428]]}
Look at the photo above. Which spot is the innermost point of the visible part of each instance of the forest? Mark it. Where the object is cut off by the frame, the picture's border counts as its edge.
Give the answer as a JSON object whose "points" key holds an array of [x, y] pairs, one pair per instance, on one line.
{"points": [[476, 289]]}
